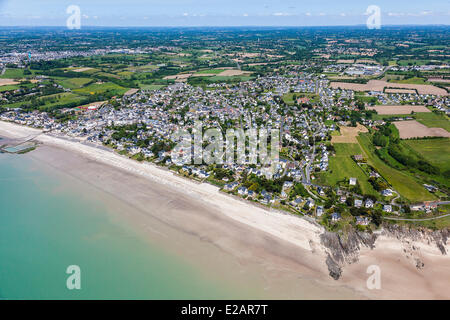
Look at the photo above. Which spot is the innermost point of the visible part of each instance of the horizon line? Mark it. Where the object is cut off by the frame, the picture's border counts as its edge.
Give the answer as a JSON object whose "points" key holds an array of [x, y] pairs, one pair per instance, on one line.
{"points": [[224, 26]]}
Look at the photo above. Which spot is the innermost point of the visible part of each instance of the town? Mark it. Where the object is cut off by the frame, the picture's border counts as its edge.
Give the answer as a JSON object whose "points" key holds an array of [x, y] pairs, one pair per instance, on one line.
{"points": [[353, 129]]}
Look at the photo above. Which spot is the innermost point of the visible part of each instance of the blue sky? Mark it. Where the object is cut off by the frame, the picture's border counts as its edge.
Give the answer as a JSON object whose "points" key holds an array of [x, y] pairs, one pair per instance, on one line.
{"points": [[221, 13]]}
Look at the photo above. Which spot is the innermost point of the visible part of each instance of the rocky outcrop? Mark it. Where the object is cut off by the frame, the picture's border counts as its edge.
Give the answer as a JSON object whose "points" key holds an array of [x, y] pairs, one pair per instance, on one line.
{"points": [[344, 248], [410, 235]]}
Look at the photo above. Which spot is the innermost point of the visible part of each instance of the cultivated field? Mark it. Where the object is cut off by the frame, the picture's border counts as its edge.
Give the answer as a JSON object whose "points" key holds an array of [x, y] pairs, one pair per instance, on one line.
{"points": [[7, 82], [349, 134], [232, 73], [130, 92], [439, 80], [379, 85], [82, 69], [403, 109], [345, 61], [413, 129], [223, 73], [388, 90]]}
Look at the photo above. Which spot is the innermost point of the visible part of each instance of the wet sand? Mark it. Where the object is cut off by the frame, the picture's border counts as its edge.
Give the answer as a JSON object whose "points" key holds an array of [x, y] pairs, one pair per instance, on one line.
{"points": [[278, 255]]}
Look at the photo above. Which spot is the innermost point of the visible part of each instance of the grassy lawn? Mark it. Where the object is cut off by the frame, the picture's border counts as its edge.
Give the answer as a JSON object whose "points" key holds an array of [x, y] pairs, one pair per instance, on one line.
{"points": [[74, 83], [210, 71], [66, 97], [405, 184], [433, 120], [288, 98], [342, 167], [8, 88], [413, 80], [101, 88], [151, 86], [13, 74], [430, 119], [436, 151], [233, 78]]}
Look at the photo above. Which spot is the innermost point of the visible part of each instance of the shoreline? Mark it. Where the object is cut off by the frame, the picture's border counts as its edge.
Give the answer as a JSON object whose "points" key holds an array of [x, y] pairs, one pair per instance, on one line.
{"points": [[278, 240]]}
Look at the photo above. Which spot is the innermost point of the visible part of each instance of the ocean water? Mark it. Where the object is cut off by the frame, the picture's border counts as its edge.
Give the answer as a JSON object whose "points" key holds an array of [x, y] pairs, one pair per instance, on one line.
{"points": [[48, 223]]}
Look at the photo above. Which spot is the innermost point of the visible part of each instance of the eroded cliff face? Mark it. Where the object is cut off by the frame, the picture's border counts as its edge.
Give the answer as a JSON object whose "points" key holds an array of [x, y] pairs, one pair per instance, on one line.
{"points": [[405, 234], [344, 249]]}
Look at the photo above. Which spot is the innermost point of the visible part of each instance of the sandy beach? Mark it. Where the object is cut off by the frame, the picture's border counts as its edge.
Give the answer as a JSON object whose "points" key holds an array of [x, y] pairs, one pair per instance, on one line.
{"points": [[279, 254]]}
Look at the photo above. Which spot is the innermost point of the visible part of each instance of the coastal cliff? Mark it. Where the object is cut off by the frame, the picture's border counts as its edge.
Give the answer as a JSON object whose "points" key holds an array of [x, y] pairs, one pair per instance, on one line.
{"points": [[344, 249]]}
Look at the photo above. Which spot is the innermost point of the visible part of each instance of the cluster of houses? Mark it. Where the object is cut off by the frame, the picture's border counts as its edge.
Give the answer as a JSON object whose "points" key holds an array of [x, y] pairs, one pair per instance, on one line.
{"points": [[146, 118]]}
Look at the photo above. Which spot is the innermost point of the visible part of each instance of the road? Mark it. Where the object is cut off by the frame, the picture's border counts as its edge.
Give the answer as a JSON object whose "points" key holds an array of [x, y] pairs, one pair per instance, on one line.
{"points": [[418, 220]]}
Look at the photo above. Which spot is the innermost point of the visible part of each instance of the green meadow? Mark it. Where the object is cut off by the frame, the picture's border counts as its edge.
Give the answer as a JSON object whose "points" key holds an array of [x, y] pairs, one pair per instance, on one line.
{"points": [[74, 83], [342, 167], [404, 183], [436, 151]]}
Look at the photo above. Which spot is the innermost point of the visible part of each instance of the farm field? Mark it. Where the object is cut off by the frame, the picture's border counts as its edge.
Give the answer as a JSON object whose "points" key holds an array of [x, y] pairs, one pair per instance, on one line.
{"points": [[342, 167], [405, 184], [210, 71], [96, 88], [151, 86], [403, 109], [436, 151], [379, 85], [413, 80], [389, 90], [434, 120], [74, 83], [8, 82], [13, 74], [414, 129], [348, 134]]}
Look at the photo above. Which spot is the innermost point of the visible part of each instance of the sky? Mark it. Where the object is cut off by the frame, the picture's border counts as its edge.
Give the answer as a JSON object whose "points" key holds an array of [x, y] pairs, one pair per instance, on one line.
{"points": [[222, 12]]}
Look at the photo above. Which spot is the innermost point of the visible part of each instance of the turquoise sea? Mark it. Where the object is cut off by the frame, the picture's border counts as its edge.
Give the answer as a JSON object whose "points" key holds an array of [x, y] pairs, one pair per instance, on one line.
{"points": [[48, 223]]}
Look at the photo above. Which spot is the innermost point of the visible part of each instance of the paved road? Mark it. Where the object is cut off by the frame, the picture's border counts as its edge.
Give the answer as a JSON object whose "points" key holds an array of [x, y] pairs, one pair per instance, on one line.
{"points": [[425, 219]]}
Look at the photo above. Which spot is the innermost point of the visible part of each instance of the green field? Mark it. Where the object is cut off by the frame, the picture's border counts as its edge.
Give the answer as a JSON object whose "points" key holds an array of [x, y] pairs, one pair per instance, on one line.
{"points": [[233, 78], [96, 88], [433, 120], [210, 71], [405, 184], [74, 83], [151, 86], [288, 98], [342, 167], [8, 88], [436, 151], [430, 119], [413, 80], [13, 74]]}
